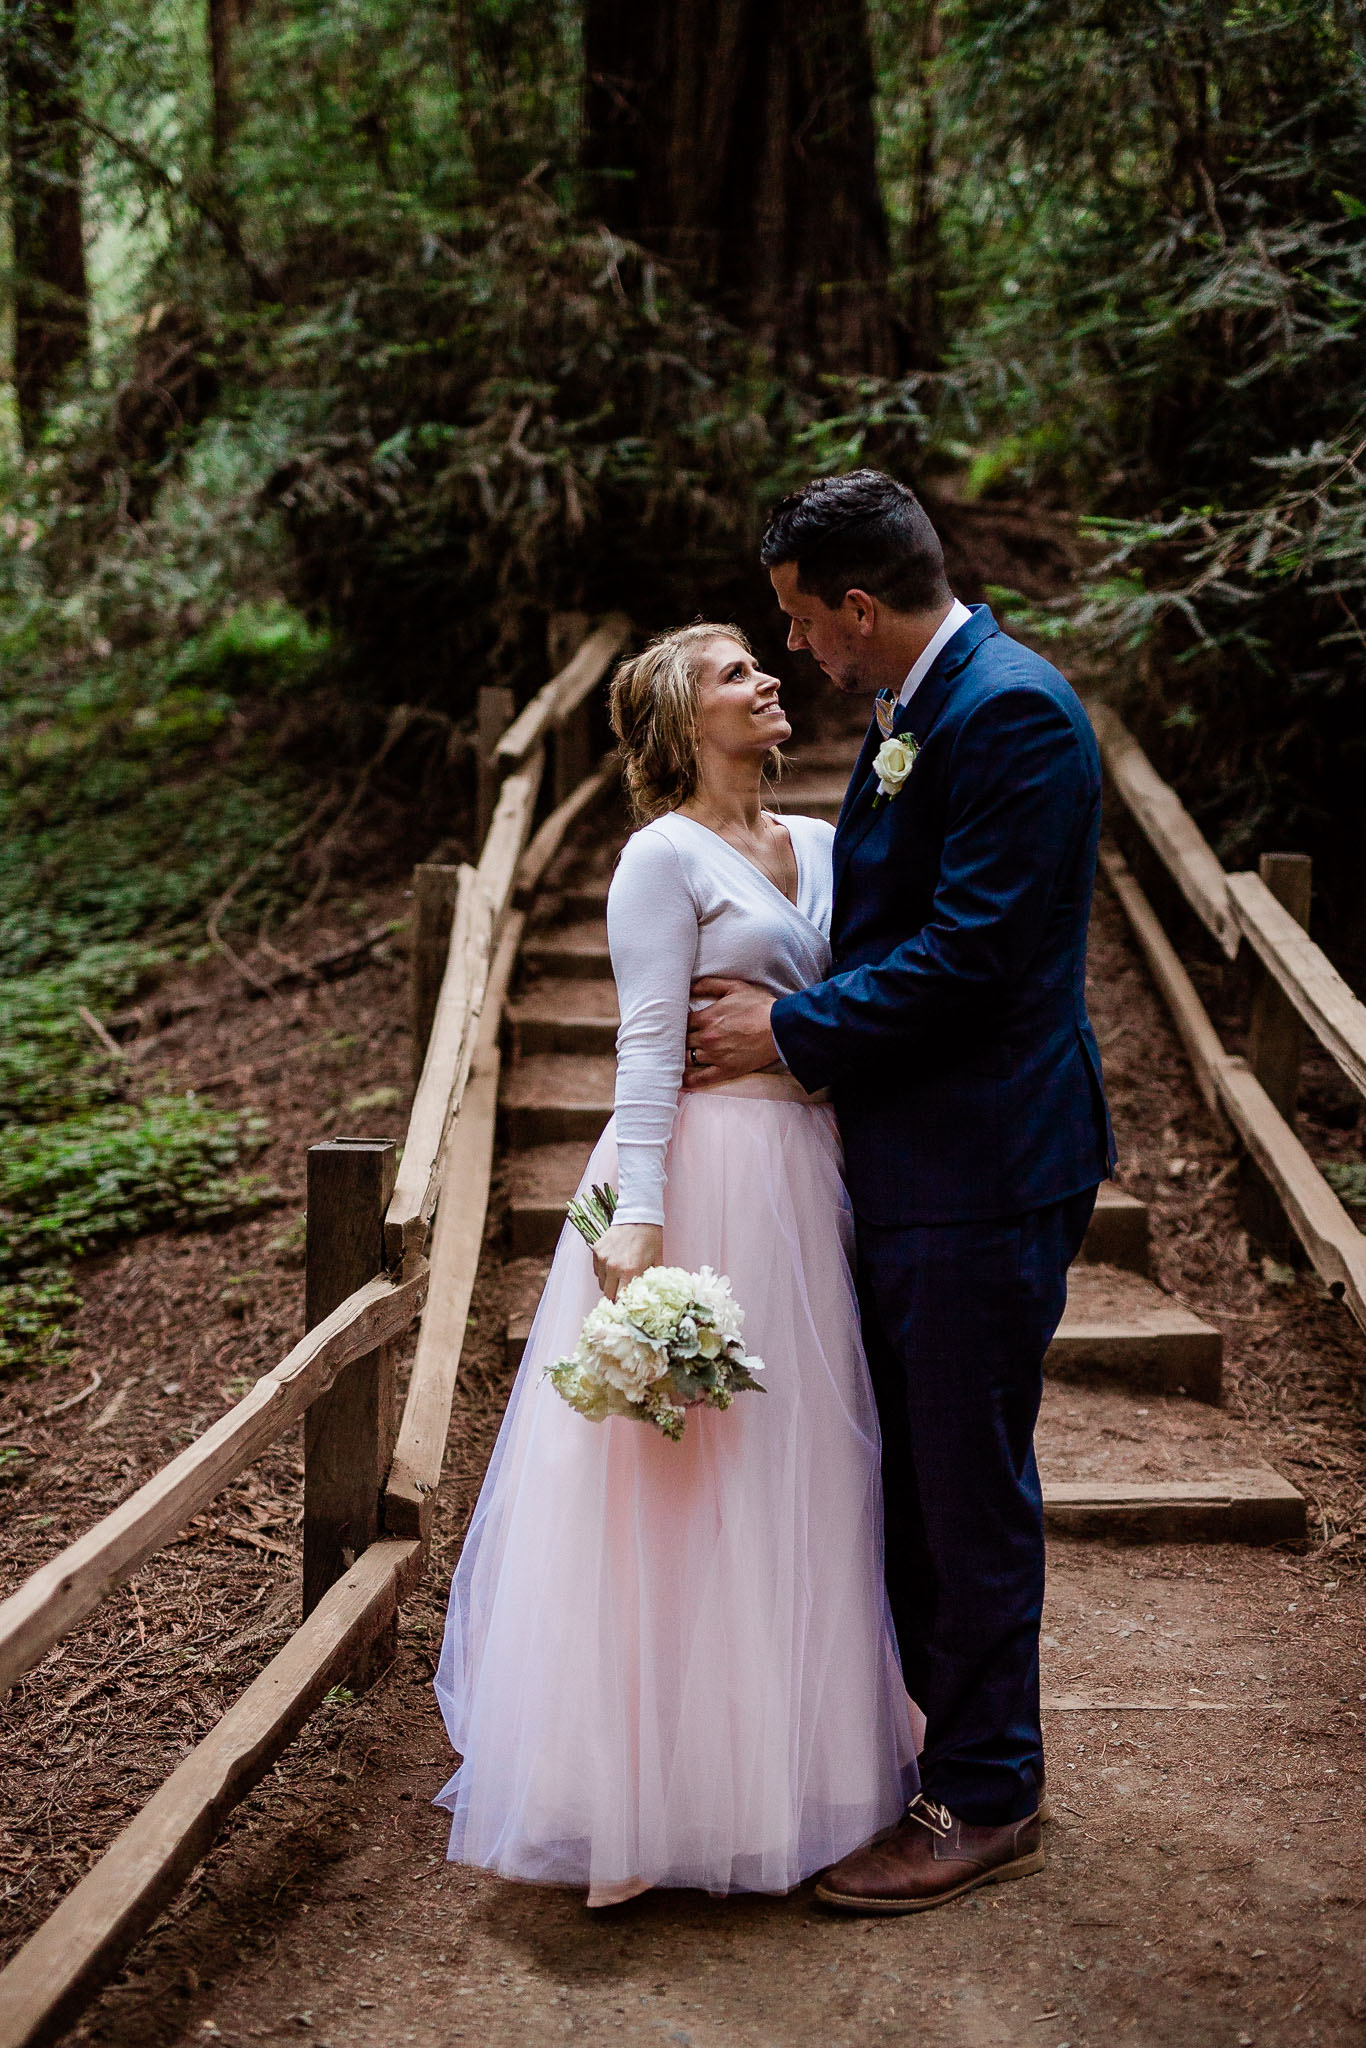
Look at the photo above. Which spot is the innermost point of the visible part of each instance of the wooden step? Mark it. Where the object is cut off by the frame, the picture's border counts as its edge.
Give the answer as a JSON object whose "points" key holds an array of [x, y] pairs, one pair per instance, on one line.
{"points": [[540, 1183], [587, 900], [566, 1016], [526, 1280], [1118, 1235], [549, 1098], [822, 757], [1252, 1505], [1118, 1326], [812, 796], [569, 952]]}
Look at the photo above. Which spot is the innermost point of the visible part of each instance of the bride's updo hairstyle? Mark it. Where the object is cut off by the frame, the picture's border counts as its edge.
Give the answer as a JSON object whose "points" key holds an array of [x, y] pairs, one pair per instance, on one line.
{"points": [[655, 710]]}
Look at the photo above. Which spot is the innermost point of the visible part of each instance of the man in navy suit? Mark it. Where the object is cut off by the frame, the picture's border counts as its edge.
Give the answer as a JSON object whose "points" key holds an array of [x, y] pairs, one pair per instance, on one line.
{"points": [[953, 1033]]}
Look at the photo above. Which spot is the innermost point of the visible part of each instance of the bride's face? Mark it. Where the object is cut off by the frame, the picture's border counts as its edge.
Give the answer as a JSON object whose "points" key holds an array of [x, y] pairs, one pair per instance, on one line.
{"points": [[738, 703]]}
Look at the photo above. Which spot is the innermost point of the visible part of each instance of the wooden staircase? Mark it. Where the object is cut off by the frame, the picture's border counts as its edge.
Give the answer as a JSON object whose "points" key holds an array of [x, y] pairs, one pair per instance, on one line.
{"points": [[1119, 1330]]}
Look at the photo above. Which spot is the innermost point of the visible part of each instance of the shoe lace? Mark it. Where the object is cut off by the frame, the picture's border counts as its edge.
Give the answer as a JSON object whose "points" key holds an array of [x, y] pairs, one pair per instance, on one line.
{"points": [[930, 1814]]}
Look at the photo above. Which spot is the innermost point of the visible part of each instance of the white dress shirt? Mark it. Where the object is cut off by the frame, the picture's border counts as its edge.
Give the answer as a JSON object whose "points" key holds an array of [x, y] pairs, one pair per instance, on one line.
{"points": [[958, 615]]}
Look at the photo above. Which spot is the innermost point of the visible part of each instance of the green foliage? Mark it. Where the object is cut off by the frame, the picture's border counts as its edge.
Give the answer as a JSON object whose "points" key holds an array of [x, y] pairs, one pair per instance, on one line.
{"points": [[1158, 276], [49, 1062], [33, 1313], [71, 1187], [1347, 1178], [255, 649]]}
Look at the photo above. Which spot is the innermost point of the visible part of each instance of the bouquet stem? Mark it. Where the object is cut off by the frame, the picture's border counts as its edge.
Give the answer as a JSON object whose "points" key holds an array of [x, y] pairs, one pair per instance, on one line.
{"points": [[591, 1214]]}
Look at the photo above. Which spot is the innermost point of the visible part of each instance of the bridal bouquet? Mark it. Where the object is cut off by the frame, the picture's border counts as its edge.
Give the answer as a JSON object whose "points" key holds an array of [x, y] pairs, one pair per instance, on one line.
{"points": [[669, 1342]]}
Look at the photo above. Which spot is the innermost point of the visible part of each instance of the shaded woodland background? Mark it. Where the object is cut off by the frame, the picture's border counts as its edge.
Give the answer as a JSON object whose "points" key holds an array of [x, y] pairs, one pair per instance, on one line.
{"points": [[348, 341]]}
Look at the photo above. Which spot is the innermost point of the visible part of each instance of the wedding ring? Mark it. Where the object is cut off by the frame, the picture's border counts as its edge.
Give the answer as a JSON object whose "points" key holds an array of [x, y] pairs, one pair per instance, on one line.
{"points": [[692, 1056]]}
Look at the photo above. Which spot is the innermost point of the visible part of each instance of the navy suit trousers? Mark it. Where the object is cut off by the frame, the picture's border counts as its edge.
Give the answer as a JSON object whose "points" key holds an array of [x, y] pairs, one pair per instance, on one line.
{"points": [[956, 1320]]}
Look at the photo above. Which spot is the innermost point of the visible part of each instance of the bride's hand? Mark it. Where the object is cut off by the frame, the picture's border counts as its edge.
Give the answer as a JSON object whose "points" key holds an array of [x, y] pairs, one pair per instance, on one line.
{"points": [[624, 1252]]}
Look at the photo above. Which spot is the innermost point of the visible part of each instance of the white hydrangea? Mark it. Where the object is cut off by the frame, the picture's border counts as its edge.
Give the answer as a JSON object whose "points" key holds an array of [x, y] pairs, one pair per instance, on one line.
{"points": [[670, 1341]]}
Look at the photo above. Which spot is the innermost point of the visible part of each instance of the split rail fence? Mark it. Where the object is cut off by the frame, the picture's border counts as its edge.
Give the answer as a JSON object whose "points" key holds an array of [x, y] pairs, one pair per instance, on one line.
{"points": [[1295, 987], [382, 1249]]}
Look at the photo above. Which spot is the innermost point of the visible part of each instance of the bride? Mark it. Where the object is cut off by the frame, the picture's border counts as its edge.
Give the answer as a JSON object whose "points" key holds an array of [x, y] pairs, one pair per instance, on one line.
{"points": [[672, 1663]]}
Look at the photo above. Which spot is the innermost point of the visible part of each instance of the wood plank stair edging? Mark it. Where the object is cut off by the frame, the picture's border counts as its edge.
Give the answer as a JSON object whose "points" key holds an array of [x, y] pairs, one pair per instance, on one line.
{"points": [[1250, 1505], [1118, 1326]]}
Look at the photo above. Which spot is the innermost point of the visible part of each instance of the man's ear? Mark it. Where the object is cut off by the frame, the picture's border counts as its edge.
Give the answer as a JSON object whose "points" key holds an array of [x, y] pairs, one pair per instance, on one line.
{"points": [[863, 611]]}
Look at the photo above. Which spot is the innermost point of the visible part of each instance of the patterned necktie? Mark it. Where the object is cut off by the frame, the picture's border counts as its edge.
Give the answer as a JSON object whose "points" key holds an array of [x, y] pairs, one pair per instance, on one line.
{"points": [[886, 706]]}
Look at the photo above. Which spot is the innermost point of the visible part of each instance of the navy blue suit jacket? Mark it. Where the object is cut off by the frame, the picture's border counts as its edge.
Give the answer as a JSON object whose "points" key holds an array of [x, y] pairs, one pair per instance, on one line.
{"points": [[953, 1027]]}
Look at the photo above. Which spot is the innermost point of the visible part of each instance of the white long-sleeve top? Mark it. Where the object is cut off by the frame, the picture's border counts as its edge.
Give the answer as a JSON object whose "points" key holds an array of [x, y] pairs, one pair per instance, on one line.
{"points": [[684, 903]]}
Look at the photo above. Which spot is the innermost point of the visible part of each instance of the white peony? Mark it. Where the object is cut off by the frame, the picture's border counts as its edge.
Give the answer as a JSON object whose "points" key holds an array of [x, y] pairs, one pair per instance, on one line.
{"points": [[670, 1341]]}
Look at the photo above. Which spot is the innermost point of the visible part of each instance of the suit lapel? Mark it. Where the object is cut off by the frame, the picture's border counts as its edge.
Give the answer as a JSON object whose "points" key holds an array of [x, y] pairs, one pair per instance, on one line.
{"points": [[918, 718]]}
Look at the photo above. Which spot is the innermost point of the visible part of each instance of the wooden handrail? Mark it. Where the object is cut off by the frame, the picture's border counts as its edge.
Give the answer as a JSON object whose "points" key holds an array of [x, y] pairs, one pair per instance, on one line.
{"points": [[502, 852], [1307, 976], [550, 836], [564, 693], [45, 1985], [1168, 826], [1197, 1033], [449, 1052], [1331, 1239], [70, 1585], [73, 1951], [415, 1474]]}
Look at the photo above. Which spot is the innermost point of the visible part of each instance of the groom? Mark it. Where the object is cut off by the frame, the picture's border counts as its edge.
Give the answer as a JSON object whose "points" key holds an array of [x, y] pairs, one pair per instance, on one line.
{"points": [[953, 1033]]}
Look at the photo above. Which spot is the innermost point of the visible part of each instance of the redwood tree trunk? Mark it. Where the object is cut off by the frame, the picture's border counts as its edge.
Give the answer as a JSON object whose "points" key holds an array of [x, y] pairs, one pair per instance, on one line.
{"points": [[225, 19], [735, 137], [51, 305], [924, 250]]}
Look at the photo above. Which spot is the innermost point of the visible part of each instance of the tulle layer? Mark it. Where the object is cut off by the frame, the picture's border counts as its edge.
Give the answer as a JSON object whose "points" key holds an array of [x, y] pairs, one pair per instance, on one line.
{"points": [[672, 1663]]}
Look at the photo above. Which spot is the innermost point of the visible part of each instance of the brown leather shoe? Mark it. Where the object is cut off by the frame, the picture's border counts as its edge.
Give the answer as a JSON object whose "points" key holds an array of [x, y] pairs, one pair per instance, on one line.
{"points": [[928, 1859]]}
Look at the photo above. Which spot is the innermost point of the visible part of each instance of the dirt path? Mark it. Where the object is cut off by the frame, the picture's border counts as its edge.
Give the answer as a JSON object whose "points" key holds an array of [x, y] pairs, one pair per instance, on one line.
{"points": [[1206, 1878]]}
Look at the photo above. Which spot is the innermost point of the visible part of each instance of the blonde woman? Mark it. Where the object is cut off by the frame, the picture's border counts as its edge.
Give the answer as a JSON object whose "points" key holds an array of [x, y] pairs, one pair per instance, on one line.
{"points": [[672, 1664]]}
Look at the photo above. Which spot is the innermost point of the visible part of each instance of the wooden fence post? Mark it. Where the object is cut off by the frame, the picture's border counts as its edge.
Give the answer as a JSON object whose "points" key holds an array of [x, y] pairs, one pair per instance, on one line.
{"points": [[1275, 1045], [348, 1431], [497, 709], [434, 890], [573, 753]]}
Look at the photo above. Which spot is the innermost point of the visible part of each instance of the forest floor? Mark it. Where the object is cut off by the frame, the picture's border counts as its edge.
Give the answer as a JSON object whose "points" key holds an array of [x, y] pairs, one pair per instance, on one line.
{"points": [[1206, 1878]]}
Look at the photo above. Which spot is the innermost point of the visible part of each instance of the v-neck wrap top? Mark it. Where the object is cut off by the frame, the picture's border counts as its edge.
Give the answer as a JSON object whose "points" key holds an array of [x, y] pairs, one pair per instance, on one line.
{"points": [[685, 903]]}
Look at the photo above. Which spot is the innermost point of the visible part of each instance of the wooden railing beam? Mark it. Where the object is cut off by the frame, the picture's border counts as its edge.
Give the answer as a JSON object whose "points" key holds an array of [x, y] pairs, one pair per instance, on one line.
{"points": [[435, 887], [1335, 1246], [1305, 975], [1275, 1050], [449, 1051], [561, 697], [71, 1585], [410, 1494], [1168, 826], [62, 1965], [551, 834]]}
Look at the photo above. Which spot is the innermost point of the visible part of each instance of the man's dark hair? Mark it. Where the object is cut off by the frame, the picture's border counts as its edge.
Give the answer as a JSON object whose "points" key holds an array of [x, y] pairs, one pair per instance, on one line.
{"points": [[864, 531]]}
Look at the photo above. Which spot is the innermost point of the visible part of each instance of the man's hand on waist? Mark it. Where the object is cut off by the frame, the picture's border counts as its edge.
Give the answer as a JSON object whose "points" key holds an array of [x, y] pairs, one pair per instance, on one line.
{"points": [[732, 1036]]}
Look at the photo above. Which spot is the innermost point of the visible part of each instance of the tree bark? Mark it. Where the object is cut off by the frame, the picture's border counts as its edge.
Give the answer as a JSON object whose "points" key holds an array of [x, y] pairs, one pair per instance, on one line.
{"points": [[51, 301], [924, 250], [226, 18], [735, 138]]}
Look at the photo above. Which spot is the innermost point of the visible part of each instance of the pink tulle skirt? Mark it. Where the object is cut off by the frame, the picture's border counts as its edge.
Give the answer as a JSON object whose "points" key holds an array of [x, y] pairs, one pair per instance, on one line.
{"points": [[672, 1664]]}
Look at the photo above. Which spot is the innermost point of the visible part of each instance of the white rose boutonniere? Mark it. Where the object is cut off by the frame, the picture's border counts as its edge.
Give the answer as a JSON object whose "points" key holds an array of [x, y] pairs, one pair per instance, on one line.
{"points": [[892, 763]]}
